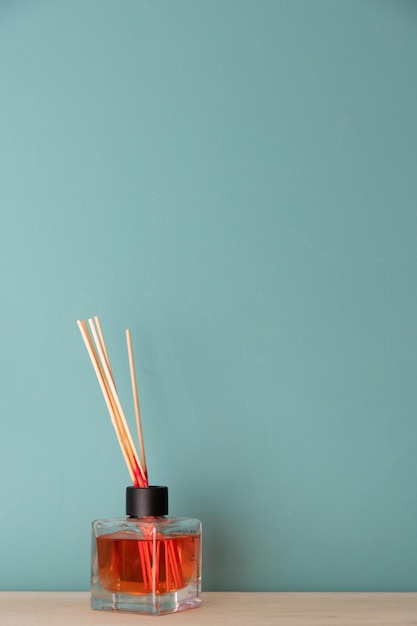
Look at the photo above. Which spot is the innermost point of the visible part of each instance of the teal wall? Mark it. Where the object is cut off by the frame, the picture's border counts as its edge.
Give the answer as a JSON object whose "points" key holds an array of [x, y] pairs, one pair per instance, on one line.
{"points": [[236, 181]]}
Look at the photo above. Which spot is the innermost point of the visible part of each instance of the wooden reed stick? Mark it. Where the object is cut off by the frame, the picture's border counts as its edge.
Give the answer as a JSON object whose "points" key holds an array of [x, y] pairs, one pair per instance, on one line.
{"points": [[136, 400], [125, 428], [104, 388], [108, 388], [103, 343], [111, 390]]}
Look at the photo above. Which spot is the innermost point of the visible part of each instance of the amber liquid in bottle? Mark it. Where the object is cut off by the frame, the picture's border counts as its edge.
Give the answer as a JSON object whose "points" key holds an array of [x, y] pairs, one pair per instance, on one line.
{"points": [[141, 566]]}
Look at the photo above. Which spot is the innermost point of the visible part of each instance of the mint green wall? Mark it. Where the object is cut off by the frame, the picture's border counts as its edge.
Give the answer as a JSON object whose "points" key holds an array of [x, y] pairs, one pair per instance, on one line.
{"points": [[236, 181]]}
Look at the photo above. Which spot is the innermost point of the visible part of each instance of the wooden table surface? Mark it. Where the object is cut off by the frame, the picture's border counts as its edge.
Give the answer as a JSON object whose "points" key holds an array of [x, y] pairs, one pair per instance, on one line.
{"points": [[219, 609]]}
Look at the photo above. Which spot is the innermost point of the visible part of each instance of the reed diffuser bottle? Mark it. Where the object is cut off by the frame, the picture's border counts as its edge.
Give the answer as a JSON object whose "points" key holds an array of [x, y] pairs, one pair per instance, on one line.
{"points": [[145, 562]]}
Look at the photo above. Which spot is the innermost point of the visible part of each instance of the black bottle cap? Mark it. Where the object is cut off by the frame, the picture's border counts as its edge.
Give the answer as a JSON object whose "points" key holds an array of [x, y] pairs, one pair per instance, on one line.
{"points": [[146, 501]]}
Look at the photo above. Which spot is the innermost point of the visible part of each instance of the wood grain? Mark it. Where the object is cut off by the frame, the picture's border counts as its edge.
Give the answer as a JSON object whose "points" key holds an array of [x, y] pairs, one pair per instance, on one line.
{"points": [[220, 609]]}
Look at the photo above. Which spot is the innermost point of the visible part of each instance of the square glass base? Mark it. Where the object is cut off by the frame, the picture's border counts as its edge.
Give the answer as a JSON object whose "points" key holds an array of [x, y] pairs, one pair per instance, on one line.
{"points": [[149, 604]]}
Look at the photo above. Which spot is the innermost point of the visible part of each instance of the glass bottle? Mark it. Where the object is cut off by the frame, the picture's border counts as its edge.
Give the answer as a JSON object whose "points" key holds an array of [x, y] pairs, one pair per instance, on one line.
{"points": [[146, 562]]}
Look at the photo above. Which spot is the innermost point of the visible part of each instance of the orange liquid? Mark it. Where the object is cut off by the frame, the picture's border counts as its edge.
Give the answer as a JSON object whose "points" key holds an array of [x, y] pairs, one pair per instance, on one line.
{"points": [[141, 566]]}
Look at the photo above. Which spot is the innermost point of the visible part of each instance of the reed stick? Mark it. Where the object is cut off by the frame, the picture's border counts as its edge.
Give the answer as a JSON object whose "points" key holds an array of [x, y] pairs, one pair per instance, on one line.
{"points": [[105, 378], [136, 400], [117, 410], [109, 378], [103, 343], [104, 388]]}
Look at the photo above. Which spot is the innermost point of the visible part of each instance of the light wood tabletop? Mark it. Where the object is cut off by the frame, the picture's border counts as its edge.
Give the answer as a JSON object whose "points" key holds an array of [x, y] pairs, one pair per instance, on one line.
{"points": [[219, 609]]}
